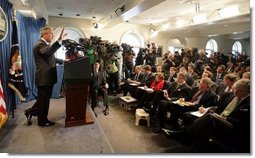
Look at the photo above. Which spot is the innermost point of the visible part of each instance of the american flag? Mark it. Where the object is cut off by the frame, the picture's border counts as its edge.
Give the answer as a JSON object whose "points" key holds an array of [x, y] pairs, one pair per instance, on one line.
{"points": [[3, 112]]}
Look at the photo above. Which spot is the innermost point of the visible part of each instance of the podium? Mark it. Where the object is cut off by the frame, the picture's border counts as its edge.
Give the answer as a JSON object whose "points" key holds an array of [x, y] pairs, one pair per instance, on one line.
{"points": [[77, 74]]}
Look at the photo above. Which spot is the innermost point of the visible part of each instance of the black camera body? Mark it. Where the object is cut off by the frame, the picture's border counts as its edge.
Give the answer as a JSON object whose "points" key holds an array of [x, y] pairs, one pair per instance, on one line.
{"points": [[72, 45]]}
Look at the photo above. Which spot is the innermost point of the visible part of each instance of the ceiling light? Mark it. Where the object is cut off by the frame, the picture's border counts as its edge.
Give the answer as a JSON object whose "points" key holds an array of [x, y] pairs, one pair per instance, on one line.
{"points": [[98, 26], [180, 23], [165, 27], [229, 11], [186, 1], [153, 32], [199, 18]]}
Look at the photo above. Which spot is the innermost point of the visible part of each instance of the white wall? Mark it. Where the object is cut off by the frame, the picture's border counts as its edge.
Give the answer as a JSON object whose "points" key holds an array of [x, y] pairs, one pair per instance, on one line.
{"points": [[115, 33]]}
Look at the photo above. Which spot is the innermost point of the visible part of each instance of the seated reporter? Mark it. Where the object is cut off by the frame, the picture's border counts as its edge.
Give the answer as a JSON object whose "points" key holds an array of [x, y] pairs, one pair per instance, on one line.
{"points": [[98, 86], [229, 125], [178, 89], [149, 92], [204, 97], [149, 77], [132, 83]]}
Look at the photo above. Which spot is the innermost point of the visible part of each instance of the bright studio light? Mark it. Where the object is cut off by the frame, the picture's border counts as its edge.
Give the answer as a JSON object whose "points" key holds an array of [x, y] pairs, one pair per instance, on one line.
{"points": [[199, 18], [229, 11]]}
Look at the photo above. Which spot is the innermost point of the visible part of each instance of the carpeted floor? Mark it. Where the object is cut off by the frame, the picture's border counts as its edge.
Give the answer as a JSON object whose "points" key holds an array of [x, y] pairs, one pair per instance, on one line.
{"points": [[114, 133]]}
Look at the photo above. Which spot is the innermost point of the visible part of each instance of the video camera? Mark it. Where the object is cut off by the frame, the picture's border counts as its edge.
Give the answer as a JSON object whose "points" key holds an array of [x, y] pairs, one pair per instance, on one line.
{"points": [[72, 45], [127, 48]]}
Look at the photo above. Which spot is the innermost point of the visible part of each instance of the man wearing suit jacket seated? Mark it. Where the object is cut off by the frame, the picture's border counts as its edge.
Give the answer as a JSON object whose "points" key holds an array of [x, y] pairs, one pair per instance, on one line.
{"points": [[230, 125], [178, 89], [204, 97], [133, 82], [98, 86]]}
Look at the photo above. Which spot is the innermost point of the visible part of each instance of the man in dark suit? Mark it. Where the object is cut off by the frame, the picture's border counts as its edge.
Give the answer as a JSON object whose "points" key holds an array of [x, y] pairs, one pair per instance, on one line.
{"points": [[220, 73], [45, 75], [148, 78], [230, 126], [204, 97], [133, 82], [98, 86], [178, 89]]}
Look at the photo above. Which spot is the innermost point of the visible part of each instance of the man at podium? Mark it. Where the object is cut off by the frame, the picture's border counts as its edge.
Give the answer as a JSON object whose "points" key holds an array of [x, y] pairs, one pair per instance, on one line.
{"points": [[45, 75]]}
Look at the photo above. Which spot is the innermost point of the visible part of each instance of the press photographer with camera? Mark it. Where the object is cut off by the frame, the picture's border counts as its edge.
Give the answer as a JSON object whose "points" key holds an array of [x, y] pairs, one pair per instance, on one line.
{"points": [[151, 54], [128, 59]]}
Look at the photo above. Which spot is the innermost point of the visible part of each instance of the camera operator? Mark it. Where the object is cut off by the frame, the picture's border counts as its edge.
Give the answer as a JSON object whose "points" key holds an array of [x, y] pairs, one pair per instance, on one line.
{"points": [[150, 56], [140, 57], [113, 73], [167, 62], [128, 59], [73, 49]]}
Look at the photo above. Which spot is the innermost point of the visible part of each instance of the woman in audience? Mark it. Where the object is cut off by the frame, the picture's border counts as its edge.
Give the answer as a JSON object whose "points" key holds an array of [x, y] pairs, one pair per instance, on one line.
{"points": [[149, 92], [178, 89]]}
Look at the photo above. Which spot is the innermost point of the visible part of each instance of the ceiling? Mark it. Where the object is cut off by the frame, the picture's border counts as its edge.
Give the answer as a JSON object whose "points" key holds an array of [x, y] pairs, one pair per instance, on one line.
{"points": [[153, 13]]}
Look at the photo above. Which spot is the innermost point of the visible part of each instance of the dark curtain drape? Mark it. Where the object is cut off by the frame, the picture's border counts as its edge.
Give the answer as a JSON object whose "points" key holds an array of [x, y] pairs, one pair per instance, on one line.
{"points": [[5, 52], [29, 33]]}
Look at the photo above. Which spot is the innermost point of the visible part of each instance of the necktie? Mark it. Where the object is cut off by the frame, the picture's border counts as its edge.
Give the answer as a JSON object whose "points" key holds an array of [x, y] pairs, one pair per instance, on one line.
{"points": [[96, 79], [169, 78], [231, 106], [195, 97], [136, 77], [177, 86]]}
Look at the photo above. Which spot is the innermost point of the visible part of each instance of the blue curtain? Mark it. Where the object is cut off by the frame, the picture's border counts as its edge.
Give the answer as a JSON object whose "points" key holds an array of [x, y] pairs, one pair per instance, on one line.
{"points": [[28, 31], [5, 52]]}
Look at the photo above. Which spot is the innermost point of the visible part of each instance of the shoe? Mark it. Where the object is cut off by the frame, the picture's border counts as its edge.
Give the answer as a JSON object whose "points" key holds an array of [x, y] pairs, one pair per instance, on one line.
{"points": [[147, 109], [106, 111], [48, 123], [157, 130], [171, 133], [29, 116]]}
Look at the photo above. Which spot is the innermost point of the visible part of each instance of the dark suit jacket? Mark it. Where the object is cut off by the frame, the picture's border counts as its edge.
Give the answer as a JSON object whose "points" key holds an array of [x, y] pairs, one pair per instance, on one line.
{"points": [[240, 117], [183, 91], [172, 77], [46, 72], [208, 99], [148, 80], [233, 133], [140, 77], [224, 100], [98, 83], [221, 88]]}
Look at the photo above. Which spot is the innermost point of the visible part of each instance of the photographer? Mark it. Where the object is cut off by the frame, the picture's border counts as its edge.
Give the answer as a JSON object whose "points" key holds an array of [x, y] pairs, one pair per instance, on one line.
{"points": [[112, 71], [128, 59], [150, 56], [140, 57]]}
